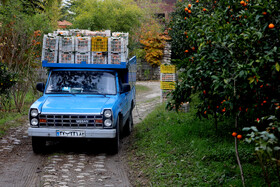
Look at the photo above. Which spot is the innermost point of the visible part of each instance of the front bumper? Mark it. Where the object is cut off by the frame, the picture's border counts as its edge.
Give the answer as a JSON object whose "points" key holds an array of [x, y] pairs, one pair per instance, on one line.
{"points": [[89, 133]]}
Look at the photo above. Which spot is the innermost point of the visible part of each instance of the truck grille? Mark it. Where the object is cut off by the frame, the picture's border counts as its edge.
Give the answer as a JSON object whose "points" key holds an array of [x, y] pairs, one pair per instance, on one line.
{"points": [[71, 121]]}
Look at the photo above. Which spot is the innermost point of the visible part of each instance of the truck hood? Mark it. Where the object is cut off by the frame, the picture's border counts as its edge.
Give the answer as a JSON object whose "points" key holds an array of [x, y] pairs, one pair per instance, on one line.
{"points": [[75, 104]]}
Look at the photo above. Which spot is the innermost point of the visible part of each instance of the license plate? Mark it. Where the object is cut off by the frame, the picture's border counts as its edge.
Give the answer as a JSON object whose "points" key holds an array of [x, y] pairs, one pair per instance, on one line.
{"points": [[70, 133]]}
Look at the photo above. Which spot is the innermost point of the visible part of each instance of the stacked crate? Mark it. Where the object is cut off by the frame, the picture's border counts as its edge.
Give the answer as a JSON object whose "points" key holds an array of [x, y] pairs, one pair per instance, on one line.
{"points": [[168, 77], [118, 51], [106, 33], [123, 35], [99, 48], [66, 50], [50, 48], [75, 46], [82, 49], [61, 33]]}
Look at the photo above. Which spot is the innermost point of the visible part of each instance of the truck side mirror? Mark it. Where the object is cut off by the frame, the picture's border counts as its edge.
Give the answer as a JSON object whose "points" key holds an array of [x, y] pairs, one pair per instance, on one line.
{"points": [[126, 87], [40, 86]]}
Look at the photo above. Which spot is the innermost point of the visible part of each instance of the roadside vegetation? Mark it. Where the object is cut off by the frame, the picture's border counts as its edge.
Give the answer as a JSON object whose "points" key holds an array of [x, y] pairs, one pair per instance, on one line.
{"points": [[12, 118], [228, 53], [179, 149]]}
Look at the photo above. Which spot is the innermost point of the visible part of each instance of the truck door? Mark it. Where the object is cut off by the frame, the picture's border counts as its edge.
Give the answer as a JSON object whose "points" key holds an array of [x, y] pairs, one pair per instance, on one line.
{"points": [[124, 99]]}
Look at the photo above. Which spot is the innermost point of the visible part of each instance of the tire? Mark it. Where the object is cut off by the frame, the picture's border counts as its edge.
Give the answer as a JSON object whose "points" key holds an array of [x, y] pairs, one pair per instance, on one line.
{"points": [[38, 144], [128, 125], [115, 145]]}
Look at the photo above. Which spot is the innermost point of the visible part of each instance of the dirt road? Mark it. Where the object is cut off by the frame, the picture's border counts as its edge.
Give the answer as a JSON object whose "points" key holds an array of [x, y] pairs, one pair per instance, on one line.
{"points": [[75, 163]]}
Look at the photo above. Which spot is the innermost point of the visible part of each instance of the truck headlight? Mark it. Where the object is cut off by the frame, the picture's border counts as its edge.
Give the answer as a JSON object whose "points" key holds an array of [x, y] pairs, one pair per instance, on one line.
{"points": [[34, 113], [34, 122], [108, 122], [107, 113]]}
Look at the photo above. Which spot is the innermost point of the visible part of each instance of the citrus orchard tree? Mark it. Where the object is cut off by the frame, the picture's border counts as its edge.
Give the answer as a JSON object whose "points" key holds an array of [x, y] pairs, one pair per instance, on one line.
{"points": [[228, 52]]}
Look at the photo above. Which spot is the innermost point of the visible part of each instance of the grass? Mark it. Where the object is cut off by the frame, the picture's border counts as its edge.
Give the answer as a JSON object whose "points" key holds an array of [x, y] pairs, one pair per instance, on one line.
{"points": [[178, 149], [141, 88], [10, 119]]}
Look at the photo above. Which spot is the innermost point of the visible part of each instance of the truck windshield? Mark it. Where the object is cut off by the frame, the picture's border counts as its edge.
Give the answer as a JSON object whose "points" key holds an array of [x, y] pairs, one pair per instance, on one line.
{"points": [[82, 82]]}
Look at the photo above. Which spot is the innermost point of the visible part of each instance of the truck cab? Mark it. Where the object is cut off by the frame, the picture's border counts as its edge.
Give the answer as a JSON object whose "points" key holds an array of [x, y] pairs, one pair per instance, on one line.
{"points": [[84, 101]]}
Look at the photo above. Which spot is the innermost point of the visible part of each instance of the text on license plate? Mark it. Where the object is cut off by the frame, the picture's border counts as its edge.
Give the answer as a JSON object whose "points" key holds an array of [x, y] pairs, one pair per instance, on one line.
{"points": [[71, 133]]}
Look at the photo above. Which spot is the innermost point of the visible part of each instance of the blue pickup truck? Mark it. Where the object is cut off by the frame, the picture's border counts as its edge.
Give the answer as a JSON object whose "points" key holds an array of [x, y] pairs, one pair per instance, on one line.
{"points": [[84, 101]]}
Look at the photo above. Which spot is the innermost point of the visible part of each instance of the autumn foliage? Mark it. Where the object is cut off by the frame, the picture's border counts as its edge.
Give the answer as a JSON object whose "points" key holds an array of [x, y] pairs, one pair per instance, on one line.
{"points": [[153, 41]]}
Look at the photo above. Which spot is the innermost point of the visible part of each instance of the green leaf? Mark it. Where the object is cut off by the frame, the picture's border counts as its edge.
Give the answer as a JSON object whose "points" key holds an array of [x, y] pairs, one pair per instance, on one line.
{"points": [[277, 67], [251, 80], [246, 128], [215, 77], [254, 128]]}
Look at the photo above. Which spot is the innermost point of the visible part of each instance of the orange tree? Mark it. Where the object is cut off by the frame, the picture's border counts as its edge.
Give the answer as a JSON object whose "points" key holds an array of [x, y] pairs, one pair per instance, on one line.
{"points": [[228, 52]]}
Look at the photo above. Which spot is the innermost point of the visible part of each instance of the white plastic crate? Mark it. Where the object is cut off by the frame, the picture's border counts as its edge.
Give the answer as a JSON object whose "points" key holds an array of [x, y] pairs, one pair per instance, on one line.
{"points": [[49, 55], [50, 42], [67, 44], [80, 57], [164, 95], [116, 58], [116, 45], [123, 35], [103, 33], [66, 57], [168, 77], [75, 32], [99, 58], [83, 44], [89, 33], [61, 32]]}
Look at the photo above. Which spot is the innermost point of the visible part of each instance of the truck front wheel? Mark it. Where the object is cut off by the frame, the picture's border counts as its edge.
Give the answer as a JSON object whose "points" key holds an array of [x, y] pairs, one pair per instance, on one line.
{"points": [[115, 145], [38, 144], [128, 125]]}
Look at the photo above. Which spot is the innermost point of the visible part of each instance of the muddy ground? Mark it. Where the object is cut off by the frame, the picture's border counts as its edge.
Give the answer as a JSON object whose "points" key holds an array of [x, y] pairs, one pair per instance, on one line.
{"points": [[74, 163]]}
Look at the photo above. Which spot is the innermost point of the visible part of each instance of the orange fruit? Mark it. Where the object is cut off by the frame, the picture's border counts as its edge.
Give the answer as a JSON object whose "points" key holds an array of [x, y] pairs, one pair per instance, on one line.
{"points": [[185, 18], [186, 9], [204, 9], [264, 101], [234, 134], [239, 136], [224, 110], [242, 2], [205, 112], [197, 1], [186, 51], [271, 26], [189, 5], [193, 48], [189, 11]]}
